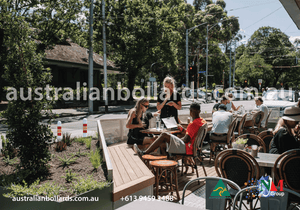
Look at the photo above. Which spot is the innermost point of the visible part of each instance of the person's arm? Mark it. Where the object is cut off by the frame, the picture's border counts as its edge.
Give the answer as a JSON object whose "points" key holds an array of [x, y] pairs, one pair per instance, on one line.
{"points": [[159, 105], [186, 138], [234, 108], [176, 105], [132, 115], [279, 125]]}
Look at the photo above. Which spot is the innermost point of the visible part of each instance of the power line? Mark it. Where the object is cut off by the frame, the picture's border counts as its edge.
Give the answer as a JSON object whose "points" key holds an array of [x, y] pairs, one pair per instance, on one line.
{"points": [[264, 17]]}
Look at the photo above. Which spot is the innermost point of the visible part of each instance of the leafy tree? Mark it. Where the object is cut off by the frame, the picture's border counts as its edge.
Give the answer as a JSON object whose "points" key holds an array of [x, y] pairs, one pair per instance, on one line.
{"points": [[201, 4], [24, 70], [252, 68], [275, 48], [139, 33], [223, 31]]}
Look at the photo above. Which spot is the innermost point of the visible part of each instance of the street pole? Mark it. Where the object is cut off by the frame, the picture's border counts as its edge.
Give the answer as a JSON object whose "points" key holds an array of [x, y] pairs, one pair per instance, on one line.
{"points": [[206, 73], [186, 58], [90, 71], [230, 70], [233, 85], [104, 54], [186, 52]]}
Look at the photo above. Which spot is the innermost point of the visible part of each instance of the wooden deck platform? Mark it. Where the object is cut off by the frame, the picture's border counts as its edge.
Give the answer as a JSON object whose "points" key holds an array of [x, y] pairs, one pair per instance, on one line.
{"points": [[131, 174]]}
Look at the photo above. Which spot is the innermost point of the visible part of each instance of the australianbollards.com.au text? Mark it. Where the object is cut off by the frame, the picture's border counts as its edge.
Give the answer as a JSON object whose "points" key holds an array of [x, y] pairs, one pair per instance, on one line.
{"points": [[52, 93]]}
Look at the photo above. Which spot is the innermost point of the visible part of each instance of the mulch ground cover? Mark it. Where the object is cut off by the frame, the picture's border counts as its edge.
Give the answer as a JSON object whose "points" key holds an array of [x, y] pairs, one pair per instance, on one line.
{"points": [[82, 167]]}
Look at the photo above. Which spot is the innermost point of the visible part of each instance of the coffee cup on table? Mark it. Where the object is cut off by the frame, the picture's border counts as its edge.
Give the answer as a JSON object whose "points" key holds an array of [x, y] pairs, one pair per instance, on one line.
{"points": [[254, 150]]}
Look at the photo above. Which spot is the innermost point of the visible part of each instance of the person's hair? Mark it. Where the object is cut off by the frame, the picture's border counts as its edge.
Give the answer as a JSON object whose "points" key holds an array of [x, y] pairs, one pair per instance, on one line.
{"points": [[170, 80], [195, 106], [230, 95], [138, 105], [224, 98], [222, 107], [259, 98]]}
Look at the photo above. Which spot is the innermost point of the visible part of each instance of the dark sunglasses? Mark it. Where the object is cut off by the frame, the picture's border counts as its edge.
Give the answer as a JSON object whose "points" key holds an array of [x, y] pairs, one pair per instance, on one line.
{"points": [[146, 106]]}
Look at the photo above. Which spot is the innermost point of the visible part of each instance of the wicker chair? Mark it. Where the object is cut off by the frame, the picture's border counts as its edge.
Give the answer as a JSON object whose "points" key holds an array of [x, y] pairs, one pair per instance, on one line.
{"points": [[210, 184], [287, 167], [254, 139], [267, 137], [267, 120], [269, 203], [241, 125], [197, 150], [239, 166], [256, 122], [229, 139]]}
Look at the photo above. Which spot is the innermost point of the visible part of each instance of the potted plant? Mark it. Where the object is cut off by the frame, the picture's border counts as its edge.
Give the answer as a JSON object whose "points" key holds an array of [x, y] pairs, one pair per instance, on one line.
{"points": [[239, 143]]}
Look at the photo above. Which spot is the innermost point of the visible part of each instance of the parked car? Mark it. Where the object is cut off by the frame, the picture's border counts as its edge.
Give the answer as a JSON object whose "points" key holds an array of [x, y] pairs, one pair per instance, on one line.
{"points": [[241, 95], [280, 99], [219, 87]]}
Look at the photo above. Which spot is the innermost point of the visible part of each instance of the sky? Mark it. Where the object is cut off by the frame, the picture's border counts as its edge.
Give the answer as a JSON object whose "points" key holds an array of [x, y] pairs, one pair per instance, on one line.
{"points": [[254, 14]]}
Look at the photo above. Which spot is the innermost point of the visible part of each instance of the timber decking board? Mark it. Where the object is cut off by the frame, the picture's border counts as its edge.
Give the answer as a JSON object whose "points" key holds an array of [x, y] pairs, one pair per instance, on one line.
{"points": [[119, 166], [130, 174], [126, 164], [117, 179]]}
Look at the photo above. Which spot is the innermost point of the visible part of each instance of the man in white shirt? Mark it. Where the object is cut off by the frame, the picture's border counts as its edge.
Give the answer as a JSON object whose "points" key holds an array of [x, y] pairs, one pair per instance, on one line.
{"points": [[259, 106], [221, 121]]}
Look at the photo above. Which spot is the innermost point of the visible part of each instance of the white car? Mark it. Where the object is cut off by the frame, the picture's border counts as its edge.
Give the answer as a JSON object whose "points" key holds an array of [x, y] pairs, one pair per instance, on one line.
{"points": [[241, 95], [280, 99]]}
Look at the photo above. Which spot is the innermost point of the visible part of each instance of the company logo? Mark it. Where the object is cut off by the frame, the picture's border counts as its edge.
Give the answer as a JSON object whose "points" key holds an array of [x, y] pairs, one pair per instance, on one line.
{"points": [[267, 188], [220, 191]]}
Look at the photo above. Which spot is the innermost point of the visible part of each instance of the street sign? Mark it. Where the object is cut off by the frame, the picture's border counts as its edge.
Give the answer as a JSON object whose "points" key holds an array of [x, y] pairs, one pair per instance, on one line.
{"points": [[202, 72], [152, 79]]}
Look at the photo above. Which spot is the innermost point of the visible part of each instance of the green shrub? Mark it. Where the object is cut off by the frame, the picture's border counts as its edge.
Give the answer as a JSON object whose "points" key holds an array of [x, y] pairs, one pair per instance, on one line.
{"points": [[70, 176], [66, 138], [19, 190], [241, 141], [9, 161], [88, 143], [80, 140], [95, 159], [67, 161], [78, 154], [7, 148], [83, 185]]}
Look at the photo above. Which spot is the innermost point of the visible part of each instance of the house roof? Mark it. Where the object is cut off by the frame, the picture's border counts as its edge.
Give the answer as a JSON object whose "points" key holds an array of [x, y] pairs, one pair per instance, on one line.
{"points": [[293, 9], [71, 54]]}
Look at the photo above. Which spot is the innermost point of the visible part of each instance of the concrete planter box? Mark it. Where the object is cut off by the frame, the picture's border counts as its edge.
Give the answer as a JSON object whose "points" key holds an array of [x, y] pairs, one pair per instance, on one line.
{"points": [[104, 202]]}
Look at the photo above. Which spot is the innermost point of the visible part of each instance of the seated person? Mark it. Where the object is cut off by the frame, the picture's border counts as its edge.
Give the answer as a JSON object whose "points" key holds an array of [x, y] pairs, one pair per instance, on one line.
{"points": [[224, 101], [177, 145], [221, 121], [259, 106], [136, 122], [285, 134], [230, 105]]}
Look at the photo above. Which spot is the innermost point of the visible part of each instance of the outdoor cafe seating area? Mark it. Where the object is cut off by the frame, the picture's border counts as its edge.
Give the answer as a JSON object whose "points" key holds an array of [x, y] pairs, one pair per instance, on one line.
{"points": [[223, 160]]}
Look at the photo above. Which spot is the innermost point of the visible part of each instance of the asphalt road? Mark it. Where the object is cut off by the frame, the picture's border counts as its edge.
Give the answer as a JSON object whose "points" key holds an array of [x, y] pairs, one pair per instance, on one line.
{"points": [[74, 124]]}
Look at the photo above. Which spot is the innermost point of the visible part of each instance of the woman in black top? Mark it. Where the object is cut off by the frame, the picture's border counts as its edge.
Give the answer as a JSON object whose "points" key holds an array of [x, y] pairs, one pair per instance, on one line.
{"points": [[168, 100], [285, 137], [136, 122]]}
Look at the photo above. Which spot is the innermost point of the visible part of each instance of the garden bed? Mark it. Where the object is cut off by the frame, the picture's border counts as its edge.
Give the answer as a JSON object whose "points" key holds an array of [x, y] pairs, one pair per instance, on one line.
{"points": [[82, 167]]}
